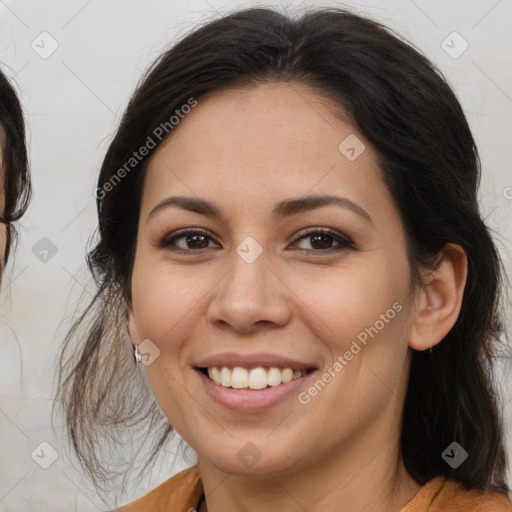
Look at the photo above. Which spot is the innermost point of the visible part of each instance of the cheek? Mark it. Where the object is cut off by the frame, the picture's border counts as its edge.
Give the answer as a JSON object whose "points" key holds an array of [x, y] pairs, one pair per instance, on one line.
{"points": [[345, 302], [362, 315], [166, 301], [163, 305], [367, 370]]}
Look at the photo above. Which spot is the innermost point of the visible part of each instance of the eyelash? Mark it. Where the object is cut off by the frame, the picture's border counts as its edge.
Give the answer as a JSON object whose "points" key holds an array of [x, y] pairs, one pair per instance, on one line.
{"points": [[345, 242]]}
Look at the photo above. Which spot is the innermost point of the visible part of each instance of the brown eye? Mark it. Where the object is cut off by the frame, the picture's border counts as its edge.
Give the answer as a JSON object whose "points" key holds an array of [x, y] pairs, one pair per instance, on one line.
{"points": [[193, 240], [322, 239]]}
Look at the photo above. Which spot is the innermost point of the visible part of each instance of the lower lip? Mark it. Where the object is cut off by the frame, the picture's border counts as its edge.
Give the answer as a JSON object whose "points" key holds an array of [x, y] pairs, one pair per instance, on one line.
{"points": [[252, 400]]}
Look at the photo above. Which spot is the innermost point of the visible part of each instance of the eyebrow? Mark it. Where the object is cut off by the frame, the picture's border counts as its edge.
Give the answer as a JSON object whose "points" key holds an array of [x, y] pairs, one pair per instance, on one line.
{"points": [[283, 209]]}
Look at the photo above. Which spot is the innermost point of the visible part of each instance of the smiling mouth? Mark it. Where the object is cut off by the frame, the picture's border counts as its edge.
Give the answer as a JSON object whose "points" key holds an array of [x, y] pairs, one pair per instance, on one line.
{"points": [[254, 378]]}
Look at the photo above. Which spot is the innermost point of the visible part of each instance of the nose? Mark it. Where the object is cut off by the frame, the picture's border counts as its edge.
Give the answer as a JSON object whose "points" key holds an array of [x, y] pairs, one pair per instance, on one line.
{"points": [[249, 296]]}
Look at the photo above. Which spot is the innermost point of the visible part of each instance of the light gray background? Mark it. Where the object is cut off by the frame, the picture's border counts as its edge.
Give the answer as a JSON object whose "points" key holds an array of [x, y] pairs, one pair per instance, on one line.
{"points": [[72, 100]]}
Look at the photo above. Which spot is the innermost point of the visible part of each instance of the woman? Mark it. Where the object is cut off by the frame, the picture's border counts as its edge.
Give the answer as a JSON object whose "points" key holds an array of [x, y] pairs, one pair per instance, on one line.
{"points": [[289, 232], [14, 173]]}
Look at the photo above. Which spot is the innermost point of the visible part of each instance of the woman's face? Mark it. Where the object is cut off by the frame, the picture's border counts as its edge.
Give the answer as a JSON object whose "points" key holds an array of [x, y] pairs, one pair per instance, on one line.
{"points": [[261, 289]]}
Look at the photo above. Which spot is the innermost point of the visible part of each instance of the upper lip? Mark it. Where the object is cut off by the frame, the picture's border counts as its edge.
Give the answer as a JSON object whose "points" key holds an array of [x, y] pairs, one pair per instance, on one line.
{"points": [[232, 359]]}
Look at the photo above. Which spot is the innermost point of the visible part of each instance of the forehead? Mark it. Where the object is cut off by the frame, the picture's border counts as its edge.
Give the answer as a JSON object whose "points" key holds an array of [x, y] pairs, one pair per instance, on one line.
{"points": [[256, 114], [270, 140]]}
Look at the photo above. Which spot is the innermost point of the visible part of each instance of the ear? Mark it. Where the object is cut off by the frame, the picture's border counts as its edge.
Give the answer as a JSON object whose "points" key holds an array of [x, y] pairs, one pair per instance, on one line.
{"points": [[133, 330], [438, 302]]}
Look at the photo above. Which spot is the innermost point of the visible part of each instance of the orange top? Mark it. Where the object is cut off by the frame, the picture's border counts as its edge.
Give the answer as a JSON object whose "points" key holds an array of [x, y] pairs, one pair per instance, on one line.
{"points": [[183, 492]]}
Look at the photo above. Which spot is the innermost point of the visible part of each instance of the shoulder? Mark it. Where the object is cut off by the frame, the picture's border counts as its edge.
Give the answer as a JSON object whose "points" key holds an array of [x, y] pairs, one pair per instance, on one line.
{"points": [[442, 495], [182, 491]]}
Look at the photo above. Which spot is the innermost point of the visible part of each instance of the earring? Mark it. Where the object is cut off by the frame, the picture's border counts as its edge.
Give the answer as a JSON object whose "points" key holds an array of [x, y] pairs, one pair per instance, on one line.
{"points": [[136, 354]]}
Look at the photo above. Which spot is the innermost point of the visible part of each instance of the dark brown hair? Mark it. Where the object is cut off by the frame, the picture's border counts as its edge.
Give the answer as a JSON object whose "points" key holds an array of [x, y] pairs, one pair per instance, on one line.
{"points": [[15, 172], [404, 107]]}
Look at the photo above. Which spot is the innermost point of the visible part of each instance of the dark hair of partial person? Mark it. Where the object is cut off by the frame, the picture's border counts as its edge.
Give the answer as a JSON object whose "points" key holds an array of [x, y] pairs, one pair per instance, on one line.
{"points": [[406, 110], [15, 171]]}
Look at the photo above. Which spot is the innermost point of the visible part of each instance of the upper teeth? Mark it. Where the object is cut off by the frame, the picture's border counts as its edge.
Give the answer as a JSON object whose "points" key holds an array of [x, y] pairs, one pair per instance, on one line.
{"points": [[256, 378]]}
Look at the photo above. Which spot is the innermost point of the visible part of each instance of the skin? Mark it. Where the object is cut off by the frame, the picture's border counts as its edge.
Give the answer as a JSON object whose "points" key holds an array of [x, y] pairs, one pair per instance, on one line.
{"points": [[245, 150]]}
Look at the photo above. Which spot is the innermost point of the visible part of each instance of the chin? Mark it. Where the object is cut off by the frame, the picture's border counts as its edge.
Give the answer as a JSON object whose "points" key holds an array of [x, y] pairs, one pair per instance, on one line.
{"points": [[251, 459]]}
